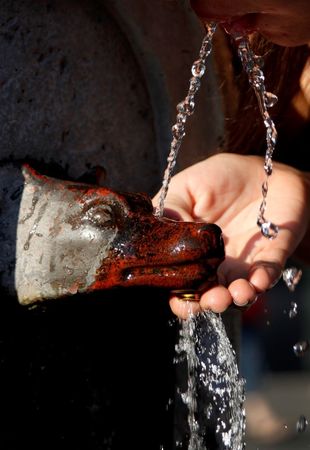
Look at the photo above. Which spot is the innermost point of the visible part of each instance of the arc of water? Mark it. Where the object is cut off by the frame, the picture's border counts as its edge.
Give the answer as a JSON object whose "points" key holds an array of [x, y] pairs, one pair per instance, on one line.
{"points": [[251, 65], [185, 109]]}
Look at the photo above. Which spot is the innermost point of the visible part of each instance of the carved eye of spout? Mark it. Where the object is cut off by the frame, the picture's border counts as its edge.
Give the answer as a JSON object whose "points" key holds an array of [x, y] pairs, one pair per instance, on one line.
{"points": [[99, 216]]}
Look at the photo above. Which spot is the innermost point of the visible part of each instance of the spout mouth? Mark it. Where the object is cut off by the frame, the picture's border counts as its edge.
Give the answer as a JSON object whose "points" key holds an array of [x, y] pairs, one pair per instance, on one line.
{"points": [[183, 277], [180, 257]]}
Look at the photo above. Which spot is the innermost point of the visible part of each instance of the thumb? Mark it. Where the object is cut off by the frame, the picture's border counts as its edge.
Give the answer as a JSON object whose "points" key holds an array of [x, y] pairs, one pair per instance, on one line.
{"points": [[175, 208]]}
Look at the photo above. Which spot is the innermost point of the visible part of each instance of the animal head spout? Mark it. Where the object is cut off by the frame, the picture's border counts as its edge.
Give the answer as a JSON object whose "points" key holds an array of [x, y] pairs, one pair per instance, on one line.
{"points": [[75, 237]]}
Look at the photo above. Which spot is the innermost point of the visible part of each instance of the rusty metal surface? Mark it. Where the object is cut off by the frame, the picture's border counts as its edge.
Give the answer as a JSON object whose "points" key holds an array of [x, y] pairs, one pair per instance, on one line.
{"points": [[76, 238]]}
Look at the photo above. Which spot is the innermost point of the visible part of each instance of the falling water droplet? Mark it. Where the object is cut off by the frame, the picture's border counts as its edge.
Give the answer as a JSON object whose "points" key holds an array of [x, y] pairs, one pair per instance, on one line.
{"points": [[270, 99], [301, 348], [268, 170], [291, 277], [181, 118], [259, 60], [178, 131], [301, 424], [194, 85], [198, 68], [252, 66], [269, 230], [171, 322], [205, 49], [293, 310], [187, 106], [264, 188]]}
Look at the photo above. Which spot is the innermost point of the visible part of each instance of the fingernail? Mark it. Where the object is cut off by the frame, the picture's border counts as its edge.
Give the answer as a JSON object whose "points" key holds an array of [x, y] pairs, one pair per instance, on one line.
{"points": [[241, 304], [273, 270], [245, 306], [275, 275]]}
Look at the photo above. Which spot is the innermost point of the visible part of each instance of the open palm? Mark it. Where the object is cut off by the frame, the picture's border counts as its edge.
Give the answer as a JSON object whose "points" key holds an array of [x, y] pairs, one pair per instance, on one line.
{"points": [[226, 189]]}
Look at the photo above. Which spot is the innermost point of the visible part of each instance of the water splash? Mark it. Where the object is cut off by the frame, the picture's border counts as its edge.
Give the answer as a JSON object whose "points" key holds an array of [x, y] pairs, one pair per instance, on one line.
{"points": [[215, 392], [300, 348], [301, 424], [293, 310], [292, 276], [252, 65], [185, 109]]}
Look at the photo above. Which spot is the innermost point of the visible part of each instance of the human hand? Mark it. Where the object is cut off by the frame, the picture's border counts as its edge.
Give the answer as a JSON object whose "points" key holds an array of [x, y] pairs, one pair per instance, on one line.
{"points": [[226, 189]]}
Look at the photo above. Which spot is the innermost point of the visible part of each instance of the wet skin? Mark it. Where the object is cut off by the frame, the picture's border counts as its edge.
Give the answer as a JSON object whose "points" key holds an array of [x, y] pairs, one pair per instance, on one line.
{"points": [[284, 22]]}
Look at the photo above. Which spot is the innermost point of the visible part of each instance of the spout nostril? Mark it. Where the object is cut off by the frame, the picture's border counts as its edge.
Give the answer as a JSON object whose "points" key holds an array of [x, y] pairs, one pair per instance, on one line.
{"points": [[212, 235], [211, 231], [210, 228]]}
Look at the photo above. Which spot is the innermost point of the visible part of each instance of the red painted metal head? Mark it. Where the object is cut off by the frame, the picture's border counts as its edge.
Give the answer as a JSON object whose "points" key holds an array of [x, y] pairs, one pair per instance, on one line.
{"points": [[75, 237]]}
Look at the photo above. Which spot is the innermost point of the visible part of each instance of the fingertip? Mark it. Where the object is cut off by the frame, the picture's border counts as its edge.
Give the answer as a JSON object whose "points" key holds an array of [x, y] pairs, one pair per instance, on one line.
{"points": [[242, 292], [184, 308], [217, 299]]}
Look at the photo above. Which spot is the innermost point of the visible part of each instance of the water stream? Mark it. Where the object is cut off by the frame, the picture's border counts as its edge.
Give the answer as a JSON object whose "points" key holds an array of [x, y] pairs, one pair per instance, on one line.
{"points": [[252, 66], [185, 109], [215, 392]]}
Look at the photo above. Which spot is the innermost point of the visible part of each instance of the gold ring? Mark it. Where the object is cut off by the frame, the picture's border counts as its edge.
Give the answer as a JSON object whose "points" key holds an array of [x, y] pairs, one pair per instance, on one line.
{"points": [[186, 295]]}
